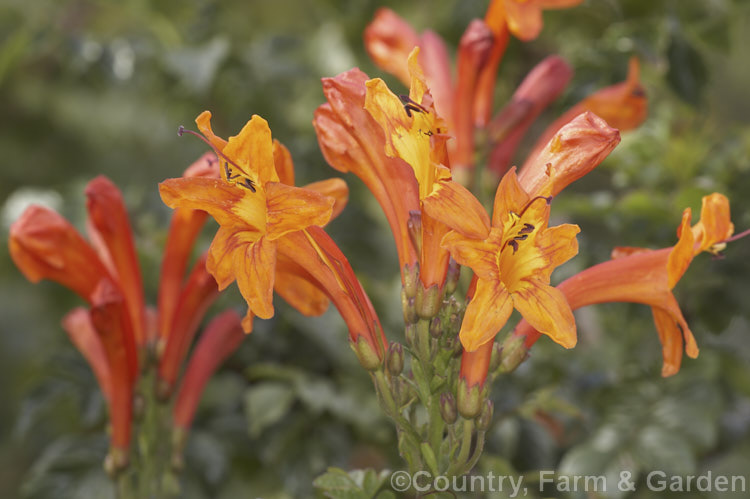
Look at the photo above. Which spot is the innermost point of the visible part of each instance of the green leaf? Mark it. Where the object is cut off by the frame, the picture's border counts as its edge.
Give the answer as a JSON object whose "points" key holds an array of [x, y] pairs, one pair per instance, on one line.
{"points": [[356, 484], [265, 404]]}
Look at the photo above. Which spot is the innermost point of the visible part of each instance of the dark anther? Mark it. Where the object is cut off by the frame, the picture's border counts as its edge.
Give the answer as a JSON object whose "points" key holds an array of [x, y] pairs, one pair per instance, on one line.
{"points": [[521, 237], [228, 171], [527, 229], [180, 130], [514, 244], [249, 184], [410, 105]]}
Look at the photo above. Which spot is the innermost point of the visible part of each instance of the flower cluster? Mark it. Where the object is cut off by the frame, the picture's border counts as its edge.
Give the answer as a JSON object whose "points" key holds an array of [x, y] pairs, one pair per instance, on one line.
{"points": [[118, 334], [419, 154]]}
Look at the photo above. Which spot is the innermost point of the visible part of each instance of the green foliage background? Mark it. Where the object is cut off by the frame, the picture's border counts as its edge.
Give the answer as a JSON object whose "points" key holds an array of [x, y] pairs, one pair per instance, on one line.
{"points": [[92, 87]]}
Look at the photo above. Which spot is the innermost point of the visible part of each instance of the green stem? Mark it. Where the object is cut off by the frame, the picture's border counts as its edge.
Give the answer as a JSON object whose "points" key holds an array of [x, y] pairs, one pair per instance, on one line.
{"points": [[457, 467], [477, 452]]}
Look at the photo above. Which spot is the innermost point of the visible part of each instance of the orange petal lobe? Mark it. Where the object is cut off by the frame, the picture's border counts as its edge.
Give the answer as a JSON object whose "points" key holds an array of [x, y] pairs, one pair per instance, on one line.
{"points": [[230, 205], [334, 188], [254, 270], [252, 151], [546, 309], [485, 315], [509, 197], [389, 40], [682, 253], [298, 288], [282, 159], [715, 224], [294, 208], [455, 206], [480, 255], [204, 125], [44, 245]]}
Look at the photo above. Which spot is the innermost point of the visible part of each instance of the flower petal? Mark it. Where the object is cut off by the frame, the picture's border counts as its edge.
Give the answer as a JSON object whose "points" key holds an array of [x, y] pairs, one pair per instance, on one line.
{"points": [[77, 323], [282, 160], [109, 218], [222, 336], [295, 208], [671, 341], [479, 255], [509, 197], [254, 269], [295, 285], [44, 245], [486, 314], [204, 125], [252, 151], [575, 150], [389, 40], [682, 252], [230, 205], [624, 105], [546, 309], [334, 188], [715, 224], [558, 245], [524, 19], [541, 86], [455, 206]]}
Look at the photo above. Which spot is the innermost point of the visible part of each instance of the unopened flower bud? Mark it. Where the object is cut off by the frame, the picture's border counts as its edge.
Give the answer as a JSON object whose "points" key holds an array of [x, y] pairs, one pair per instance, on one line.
{"points": [[496, 358], [366, 354], [436, 327], [116, 461], [469, 400], [575, 150], [411, 279], [451, 279], [410, 309], [448, 410], [395, 361], [514, 353], [485, 417], [428, 302]]}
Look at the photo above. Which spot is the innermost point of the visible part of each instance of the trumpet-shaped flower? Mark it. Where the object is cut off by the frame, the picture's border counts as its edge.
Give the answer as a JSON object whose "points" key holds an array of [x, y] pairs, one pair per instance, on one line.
{"points": [[416, 134], [512, 267], [267, 238], [114, 333], [253, 208], [623, 106], [523, 18], [648, 276]]}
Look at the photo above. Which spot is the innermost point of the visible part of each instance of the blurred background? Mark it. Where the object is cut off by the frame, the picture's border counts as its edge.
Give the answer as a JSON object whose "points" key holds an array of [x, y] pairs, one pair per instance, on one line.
{"points": [[93, 87]]}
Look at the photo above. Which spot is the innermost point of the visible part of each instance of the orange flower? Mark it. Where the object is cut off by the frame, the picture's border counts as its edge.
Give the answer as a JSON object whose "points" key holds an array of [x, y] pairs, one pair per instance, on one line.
{"points": [[267, 238], [416, 134], [253, 208], [537, 91], [623, 106], [352, 141], [513, 267], [221, 337], [524, 17], [575, 150], [45, 246], [648, 276]]}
